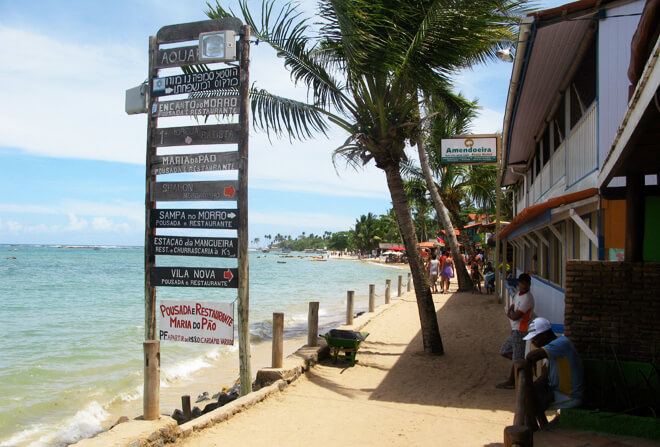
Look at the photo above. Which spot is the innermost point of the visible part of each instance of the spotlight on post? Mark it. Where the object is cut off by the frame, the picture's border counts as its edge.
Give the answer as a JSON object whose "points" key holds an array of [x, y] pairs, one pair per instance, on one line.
{"points": [[505, 54], [217, 46]]}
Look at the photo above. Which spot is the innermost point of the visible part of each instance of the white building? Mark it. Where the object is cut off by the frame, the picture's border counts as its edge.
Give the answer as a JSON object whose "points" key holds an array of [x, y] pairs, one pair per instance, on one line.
{"points": [[567, 97]]}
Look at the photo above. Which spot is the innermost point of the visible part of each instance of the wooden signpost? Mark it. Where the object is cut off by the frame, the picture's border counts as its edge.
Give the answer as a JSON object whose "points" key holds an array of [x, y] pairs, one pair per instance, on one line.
{"points": [[213, 94]]}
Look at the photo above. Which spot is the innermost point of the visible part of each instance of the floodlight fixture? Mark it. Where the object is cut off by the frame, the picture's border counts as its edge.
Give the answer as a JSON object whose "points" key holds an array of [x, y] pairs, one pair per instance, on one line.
{"points": [[505, 54], [217, 46]]}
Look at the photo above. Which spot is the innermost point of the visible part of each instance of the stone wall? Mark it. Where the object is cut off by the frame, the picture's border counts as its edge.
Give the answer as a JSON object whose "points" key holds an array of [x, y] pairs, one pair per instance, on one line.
{"points": [[613, 308]]}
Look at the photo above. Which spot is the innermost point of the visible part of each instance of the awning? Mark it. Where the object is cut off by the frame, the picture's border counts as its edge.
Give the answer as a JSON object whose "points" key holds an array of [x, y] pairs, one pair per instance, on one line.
{"points": [[532, 212]]}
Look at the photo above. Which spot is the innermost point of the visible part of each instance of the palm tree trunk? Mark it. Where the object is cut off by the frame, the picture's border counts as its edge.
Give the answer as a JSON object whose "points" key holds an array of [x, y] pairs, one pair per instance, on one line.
{"points": [[464, 280], [430, 331]]}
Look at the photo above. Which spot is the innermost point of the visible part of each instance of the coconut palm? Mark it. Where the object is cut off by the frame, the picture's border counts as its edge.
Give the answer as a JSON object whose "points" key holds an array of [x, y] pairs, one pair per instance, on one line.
{"points": [[364, 66]]}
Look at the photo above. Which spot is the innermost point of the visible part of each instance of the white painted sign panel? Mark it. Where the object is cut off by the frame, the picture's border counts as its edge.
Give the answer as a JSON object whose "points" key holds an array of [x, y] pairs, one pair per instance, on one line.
{"points": [[196, 322], [469, 150]]}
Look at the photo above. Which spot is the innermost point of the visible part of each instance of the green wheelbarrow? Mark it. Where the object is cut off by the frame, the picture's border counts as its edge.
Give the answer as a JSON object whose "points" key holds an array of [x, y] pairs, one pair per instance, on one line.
{"points": [[346, 341]]}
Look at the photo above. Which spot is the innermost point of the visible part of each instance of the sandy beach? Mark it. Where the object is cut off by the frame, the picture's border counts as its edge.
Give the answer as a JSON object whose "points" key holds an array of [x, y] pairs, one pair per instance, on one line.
{"points": [[396, 394]]}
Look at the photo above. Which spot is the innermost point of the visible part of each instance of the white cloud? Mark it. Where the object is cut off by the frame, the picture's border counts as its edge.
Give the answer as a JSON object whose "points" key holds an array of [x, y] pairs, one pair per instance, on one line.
{"points": [[303, 221], [75, 224], [105, 224], [14, 226]]}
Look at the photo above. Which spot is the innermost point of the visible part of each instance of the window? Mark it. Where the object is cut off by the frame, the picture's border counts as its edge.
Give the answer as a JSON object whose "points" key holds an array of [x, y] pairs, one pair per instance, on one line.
{"points": [[546, 144], [583, 88]]}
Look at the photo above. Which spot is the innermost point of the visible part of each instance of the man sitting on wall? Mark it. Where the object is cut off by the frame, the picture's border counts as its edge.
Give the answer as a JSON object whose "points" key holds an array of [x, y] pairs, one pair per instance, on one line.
{"points": [[561, 384]]}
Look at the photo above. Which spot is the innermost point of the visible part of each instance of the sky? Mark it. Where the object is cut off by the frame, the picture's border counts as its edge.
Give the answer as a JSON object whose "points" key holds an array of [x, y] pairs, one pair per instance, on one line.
{"points": [[72, 162]]}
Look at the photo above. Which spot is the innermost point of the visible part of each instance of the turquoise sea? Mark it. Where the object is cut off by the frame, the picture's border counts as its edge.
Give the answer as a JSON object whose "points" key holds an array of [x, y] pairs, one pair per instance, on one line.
{"points": [[72, 326]]}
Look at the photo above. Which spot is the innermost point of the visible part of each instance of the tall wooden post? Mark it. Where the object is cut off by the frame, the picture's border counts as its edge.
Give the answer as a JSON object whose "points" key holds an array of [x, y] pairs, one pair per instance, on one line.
{"points": [[409, 283], [313, 324], [388, 283], [242, 196], [498, 222], [151, 392], [278, 340], [399, 285], [634, 249], [350, 295], [151, 402], [372, 297]]}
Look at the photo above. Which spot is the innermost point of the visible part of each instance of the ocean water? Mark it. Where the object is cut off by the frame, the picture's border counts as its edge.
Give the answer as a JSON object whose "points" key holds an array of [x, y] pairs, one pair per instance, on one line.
{"points": [[72, 326]]}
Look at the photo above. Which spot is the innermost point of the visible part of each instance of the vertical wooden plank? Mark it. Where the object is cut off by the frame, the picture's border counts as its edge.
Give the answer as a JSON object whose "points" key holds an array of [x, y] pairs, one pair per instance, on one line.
{"points": [[185, 408], [151, 401], [243, 236], [372, 297], [313, 324], [350, 295], [388, 283], [498, 223], [398, 289], [278, 340], [151, 392], [409, 283]]}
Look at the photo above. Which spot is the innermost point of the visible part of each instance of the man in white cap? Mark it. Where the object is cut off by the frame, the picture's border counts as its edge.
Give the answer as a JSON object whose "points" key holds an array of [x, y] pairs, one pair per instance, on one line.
{"points": [[561, 384]]}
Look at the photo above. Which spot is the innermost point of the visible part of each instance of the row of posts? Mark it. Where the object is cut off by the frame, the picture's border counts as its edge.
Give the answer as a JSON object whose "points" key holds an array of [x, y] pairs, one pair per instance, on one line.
{"points": [[313, 318]]}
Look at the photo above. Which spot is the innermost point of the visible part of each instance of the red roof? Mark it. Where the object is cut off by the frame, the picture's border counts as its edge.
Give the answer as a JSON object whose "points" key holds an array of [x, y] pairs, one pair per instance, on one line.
{"points": [[534, 211]]}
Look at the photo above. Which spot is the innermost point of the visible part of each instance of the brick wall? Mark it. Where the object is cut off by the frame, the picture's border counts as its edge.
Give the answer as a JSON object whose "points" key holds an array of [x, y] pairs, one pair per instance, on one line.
{"points": [[613, 307]]}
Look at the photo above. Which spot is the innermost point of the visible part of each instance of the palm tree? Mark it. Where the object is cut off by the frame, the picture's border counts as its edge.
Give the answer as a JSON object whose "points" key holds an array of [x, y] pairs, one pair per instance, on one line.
{"points": [[363, 68]]}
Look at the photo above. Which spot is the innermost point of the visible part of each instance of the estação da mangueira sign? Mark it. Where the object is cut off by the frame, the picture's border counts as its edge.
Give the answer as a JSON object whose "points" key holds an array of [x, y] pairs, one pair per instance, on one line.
{"points": [[196, 82], [194, 277], [216, 247], [224, 219]]}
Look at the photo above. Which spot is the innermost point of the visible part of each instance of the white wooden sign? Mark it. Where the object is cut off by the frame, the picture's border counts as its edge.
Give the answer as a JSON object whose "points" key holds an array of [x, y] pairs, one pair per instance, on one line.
{"points": [[196, 322]]}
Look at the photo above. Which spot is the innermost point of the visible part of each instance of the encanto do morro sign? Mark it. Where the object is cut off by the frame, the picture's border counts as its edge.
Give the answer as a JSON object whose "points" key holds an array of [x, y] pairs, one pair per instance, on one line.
{"points": [[469, 150]]}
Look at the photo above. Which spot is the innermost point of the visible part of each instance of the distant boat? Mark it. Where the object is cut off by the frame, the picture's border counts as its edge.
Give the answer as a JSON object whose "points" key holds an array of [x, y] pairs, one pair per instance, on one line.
{"points": [[286, 250], [265, 250], [281, 262]]}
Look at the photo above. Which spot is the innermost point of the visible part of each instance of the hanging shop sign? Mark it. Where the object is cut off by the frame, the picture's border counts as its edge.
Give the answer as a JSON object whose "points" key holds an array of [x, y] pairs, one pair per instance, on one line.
{"points": [[469, 150]]}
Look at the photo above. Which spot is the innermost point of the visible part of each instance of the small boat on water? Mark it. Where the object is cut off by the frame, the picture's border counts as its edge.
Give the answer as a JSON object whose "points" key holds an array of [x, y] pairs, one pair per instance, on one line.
{"points": [[281, 262]]}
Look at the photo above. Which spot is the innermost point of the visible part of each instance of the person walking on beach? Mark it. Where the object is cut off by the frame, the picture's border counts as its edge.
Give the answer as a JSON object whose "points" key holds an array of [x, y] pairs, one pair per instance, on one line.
{"points": [[519, 314], [432, 271], [446, 272]]}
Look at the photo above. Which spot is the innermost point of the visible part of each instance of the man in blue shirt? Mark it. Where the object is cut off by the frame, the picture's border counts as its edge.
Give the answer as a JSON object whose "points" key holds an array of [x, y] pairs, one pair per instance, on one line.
{"points": [[561, 384]]}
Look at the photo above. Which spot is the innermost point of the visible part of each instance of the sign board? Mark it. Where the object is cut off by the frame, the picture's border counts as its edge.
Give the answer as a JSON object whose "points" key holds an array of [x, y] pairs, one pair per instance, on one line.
{"points": [[177, 57], [194, 277], [217, 247], [195, 322], [221, 190], [185, 218], [215, 105], [469, 150], [194, 135], [196, 82], [183, 163]]}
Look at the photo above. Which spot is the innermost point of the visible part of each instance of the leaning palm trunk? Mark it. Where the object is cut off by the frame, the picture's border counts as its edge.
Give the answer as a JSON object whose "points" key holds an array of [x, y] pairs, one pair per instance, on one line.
{"points": [[464, 280], [428, 319]]}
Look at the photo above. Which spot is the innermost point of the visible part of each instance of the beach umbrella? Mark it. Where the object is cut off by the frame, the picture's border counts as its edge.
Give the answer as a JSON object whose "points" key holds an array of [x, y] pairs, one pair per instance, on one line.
{"points": [[398, 248]]}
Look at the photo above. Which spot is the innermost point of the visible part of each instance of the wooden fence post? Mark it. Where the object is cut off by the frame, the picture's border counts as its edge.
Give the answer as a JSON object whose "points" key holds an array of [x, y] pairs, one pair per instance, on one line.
{"points": [[151, 401], [398, 290], [278, 339], [409, 285], [349, 306], [185, 407], [372, 298], [313, 324], [388, 282]]}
